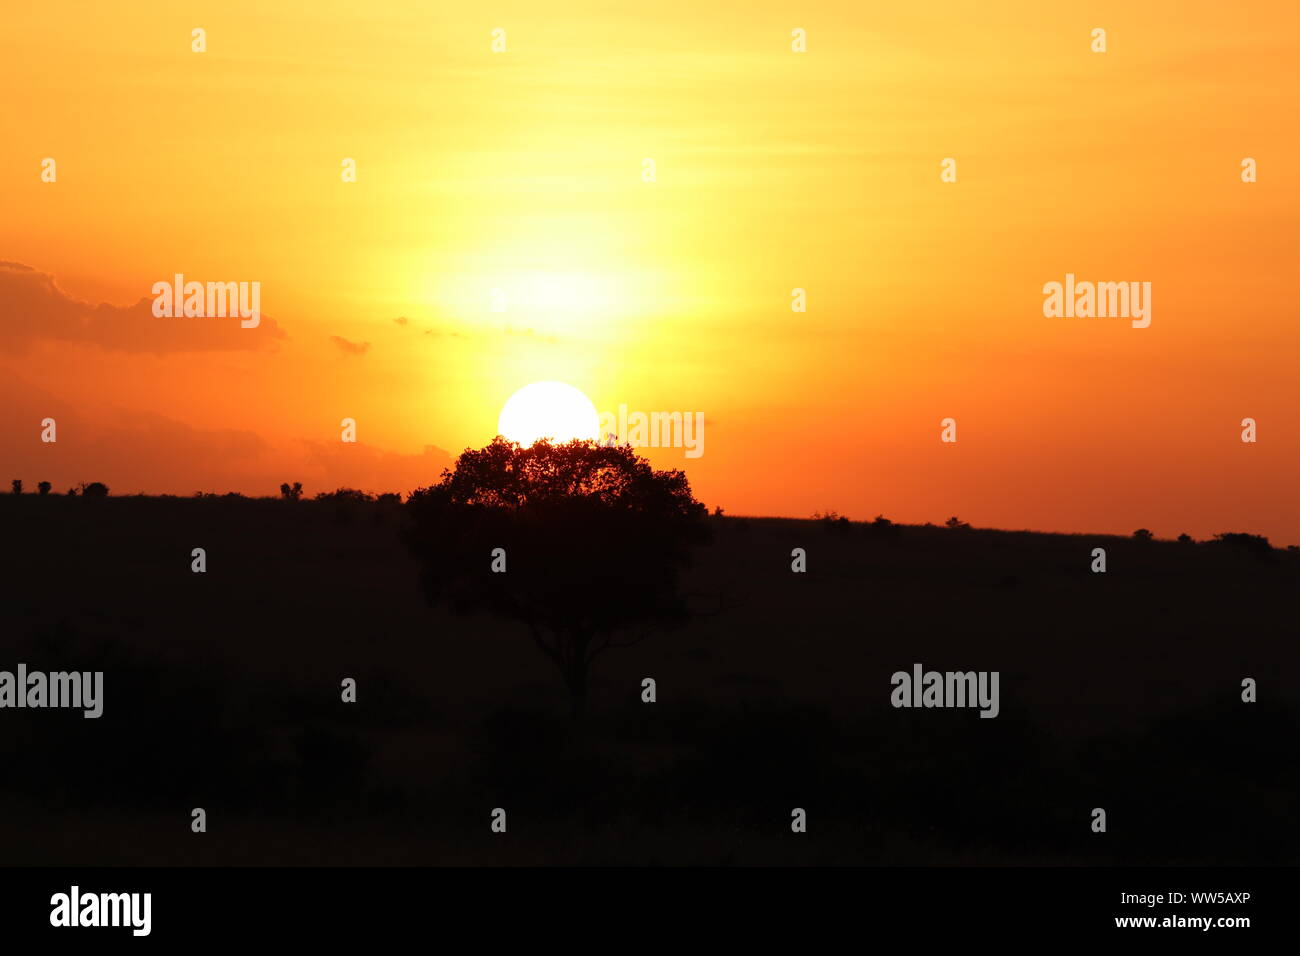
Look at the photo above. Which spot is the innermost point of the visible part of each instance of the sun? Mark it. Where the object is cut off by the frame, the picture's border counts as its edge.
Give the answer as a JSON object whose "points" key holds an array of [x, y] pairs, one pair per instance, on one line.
{"points": [[551, 410]]}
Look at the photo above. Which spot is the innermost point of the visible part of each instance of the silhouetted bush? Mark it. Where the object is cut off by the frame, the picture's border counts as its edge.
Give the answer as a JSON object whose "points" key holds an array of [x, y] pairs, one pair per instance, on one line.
{"points": [[883, 529], [346, 501], [345, 494], [1142, 534], [832, 521], [96, 489], [1255, 544], [1185, 539], [956, 524], [18, 486], [44, 487], [291, 492]]}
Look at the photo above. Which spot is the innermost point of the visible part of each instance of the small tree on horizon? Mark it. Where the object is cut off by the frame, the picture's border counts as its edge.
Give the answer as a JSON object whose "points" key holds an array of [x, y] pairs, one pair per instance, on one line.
{"points": [[883, 529], [345, 494], [1255, 544], [44, 487], [96, 489], [17, 486], [552, 536]]}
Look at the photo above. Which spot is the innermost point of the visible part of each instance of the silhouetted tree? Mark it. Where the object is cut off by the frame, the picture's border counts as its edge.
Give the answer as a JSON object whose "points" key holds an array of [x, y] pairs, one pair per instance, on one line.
{"points": [[1255, 544], [1185, 539], [345, 494], [1142, 534], [390, 498], [832, 520], [18, 486], [884, 529], [43, 487], [96, 489], [72, 492], [346, 503], [591, 539], [291, 492], [956, 524]]}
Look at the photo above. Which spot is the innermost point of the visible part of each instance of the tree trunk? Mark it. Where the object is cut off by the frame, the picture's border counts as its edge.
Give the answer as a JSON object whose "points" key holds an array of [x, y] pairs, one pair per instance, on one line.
{"points": [[576, 680]]}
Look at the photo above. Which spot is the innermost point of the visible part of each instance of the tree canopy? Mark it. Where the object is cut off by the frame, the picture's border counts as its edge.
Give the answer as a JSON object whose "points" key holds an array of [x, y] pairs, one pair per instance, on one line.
{"points": [[592, 542]]}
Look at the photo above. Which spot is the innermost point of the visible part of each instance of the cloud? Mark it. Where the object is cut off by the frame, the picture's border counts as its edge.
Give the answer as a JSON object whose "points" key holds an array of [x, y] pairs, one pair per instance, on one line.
{"points": [[129, 450], [332, 465], [137, 451], [442, 332], [33, 308], [350, 348]]}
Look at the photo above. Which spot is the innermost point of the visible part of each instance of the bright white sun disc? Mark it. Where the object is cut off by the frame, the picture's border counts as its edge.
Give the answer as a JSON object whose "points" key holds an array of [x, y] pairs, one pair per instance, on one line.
{"points": [[551, 410]]}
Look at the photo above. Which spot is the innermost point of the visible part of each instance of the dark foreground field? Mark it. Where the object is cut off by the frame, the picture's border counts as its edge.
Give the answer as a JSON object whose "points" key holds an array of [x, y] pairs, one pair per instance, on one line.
{"points": [[222, 690]]}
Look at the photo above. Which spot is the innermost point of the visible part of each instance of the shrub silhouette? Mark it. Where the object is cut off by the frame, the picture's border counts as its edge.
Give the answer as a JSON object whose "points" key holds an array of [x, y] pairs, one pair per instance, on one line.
{"points": [[1255, 544], [44, 487], [72, 492], [956, 524], [96, 489], [884, 529], [345, 494], [832, 520], [1185, 539], [1142, 534], [18, 486], [291, 493], [577, 523]]}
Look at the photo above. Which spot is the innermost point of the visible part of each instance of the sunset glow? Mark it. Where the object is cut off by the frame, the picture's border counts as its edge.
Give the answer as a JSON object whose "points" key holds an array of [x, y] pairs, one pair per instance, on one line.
{"points": [[502, 226]]}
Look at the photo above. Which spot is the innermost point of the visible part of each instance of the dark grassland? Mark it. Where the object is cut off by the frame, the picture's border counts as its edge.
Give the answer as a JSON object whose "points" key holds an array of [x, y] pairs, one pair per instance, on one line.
{"points": [[222, 690]]}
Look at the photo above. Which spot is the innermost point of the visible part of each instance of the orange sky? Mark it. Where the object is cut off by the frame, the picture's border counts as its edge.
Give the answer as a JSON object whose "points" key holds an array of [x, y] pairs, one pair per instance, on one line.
{"points": [[522, 171]]}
